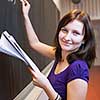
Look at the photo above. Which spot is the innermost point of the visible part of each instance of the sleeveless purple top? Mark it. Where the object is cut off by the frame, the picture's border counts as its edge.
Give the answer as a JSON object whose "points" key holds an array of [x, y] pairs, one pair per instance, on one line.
{"points": [[77, 70]]}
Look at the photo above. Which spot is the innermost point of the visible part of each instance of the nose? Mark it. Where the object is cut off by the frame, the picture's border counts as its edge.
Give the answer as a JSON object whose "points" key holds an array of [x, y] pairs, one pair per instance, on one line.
{"points": [[68, 36]]}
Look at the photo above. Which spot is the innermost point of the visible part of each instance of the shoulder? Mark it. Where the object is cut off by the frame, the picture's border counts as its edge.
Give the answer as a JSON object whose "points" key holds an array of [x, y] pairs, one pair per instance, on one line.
{"points": [[79, 65], [78, 70], [80, 62]]}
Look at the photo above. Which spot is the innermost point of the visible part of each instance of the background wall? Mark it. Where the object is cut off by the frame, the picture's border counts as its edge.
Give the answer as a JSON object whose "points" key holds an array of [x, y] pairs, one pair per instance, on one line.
{"points": [[90, 6], [96, 24], [14, 75]]}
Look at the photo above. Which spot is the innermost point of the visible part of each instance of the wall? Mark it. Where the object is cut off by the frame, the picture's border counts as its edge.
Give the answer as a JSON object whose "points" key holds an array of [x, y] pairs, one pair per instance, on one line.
{"points": [[14, 75], [96, 25], [90, 6]]}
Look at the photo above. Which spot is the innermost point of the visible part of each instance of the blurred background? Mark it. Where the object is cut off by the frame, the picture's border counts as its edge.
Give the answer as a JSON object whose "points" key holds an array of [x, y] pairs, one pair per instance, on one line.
{"points": [[44, 15]]}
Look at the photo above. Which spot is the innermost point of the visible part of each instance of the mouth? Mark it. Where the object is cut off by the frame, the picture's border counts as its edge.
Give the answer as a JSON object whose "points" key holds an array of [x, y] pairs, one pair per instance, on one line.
{"points": [[66, 43]]}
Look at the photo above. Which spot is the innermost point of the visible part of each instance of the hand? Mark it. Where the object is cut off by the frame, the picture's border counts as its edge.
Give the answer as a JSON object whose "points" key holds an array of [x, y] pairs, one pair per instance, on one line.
{"points": [[25, 7], [39, 79]]}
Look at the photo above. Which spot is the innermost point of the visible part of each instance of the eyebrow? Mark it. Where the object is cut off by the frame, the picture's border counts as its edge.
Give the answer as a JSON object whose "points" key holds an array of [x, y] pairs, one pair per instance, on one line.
{"points": [[75, 30]]}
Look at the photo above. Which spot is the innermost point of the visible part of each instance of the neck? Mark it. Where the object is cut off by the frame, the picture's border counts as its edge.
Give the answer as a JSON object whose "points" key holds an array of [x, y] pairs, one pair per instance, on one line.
{"points": [[64, 56]]}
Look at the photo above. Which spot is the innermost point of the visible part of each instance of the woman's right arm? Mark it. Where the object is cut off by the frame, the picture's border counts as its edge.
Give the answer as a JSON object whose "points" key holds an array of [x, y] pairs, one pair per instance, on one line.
{"points": [[34, 42]]}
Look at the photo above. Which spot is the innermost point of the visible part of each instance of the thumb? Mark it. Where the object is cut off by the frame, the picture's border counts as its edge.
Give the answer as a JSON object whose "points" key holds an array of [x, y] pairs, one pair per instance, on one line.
{"points": [[32, 72]]}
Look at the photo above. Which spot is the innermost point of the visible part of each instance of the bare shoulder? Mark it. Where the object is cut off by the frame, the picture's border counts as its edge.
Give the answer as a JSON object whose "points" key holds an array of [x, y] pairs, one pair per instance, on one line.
{"points": [[77, 89]]}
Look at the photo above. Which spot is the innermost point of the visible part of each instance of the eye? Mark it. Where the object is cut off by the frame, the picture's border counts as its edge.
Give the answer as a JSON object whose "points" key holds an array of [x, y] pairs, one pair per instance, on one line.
{"points": [[64, 30], [76, 33]]}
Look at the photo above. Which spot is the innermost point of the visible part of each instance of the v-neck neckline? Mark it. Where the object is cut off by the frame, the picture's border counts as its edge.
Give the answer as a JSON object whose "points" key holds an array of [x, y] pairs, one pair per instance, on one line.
{"points": [[64, 69]]}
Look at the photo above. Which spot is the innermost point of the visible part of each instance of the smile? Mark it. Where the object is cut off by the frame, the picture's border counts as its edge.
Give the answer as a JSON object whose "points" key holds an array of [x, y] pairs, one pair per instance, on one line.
{"points": [[66, 43]]}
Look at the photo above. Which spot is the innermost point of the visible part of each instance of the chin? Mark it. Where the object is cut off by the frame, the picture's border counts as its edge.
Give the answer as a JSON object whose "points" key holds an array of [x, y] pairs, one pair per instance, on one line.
{"points": [[70, 49], [66, 49]]}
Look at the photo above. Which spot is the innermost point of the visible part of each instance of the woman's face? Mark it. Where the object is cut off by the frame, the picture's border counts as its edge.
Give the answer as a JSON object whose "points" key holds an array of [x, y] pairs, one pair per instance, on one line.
{"points": [[71, 36]]}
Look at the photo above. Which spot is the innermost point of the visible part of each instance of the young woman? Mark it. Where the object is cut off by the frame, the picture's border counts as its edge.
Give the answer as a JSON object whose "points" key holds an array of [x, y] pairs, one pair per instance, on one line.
{"points": [[74, 54]]}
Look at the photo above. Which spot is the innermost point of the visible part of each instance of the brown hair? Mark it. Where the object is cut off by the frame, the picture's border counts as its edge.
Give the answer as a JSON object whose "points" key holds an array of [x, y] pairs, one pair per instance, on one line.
{"points": [[87, 50]]}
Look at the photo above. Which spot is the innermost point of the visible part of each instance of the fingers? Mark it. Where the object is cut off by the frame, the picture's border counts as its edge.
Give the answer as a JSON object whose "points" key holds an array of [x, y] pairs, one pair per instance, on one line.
{"points": [[33, 77], [32, 72], [24, 2]]}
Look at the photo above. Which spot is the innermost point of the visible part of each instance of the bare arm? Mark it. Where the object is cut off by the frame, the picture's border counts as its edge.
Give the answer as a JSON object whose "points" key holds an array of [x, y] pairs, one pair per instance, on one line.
{"points": [[34, 42], [38, 78], [77, 90], [41, 81]]}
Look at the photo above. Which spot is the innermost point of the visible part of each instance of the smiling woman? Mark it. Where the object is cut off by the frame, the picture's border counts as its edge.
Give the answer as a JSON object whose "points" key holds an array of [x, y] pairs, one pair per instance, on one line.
{"points": [[71, 36], [74, 54]]}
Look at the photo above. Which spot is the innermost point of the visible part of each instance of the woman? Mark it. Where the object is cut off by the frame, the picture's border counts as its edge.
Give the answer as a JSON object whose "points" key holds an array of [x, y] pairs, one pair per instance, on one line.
{"points": [[74, 54]]}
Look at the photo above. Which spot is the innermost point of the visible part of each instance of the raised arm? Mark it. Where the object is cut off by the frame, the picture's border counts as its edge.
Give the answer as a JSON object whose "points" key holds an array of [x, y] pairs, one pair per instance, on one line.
{"points": [[34, 42]]}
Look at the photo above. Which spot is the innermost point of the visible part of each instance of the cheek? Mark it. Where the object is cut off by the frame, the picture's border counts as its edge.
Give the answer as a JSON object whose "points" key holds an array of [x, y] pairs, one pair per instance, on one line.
{"points": [[61, 35], [77, 39]]}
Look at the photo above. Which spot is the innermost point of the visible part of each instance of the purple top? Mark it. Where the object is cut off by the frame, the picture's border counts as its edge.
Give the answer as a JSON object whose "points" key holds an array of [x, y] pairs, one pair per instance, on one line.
{"points": [[77, 70]]}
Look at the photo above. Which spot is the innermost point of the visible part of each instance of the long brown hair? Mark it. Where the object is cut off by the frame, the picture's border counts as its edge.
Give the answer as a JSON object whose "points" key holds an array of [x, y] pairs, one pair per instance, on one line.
{"points": [[87, 50]]}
